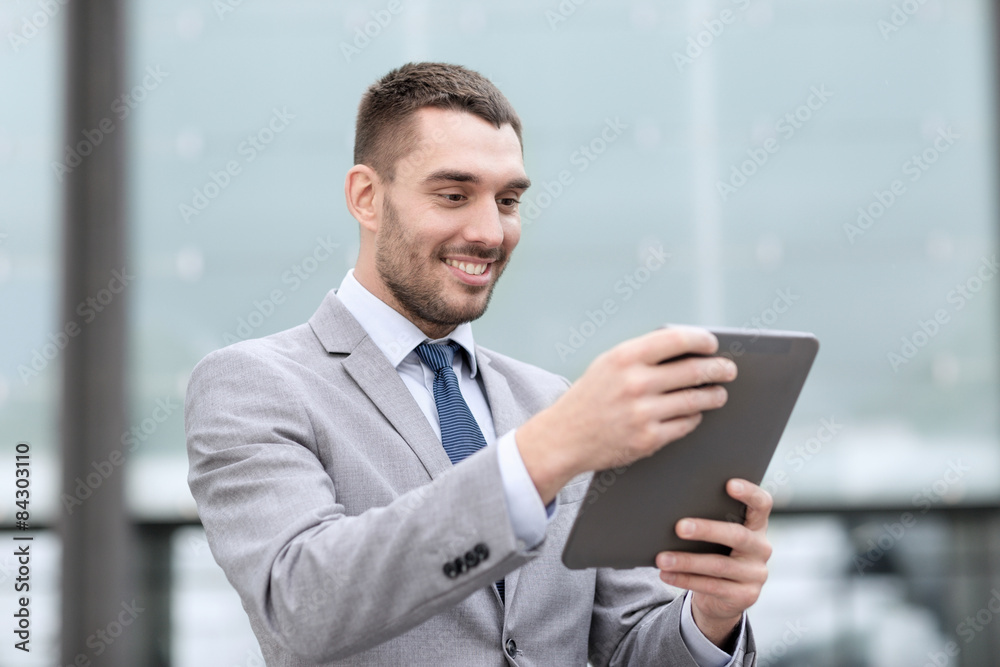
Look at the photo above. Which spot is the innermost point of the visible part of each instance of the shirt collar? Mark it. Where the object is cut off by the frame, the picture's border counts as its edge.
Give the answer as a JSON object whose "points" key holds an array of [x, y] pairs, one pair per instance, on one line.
{"points": [[389, 329]]}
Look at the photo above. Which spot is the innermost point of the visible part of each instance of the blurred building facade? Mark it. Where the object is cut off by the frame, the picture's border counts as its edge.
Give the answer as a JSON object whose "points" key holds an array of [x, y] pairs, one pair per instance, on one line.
{"points": [[827, 166]]}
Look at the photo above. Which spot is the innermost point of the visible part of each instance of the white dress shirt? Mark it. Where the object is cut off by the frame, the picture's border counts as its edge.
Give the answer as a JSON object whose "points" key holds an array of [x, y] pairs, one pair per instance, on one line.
{"points": [[398, 338]]}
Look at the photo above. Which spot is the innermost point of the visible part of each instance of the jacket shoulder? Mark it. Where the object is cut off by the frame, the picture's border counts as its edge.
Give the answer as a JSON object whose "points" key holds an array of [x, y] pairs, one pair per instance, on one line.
{"points": [[528, 375], [297, 342]]}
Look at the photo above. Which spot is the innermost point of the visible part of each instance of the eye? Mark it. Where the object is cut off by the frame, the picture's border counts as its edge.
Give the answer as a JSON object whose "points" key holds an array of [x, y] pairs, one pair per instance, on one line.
{"points": [[454, 198], [509, 202]]}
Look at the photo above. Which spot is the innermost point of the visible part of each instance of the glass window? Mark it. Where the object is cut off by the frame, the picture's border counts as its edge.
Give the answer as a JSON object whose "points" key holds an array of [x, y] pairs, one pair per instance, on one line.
{"points": [[680, 176], [824, 166]]}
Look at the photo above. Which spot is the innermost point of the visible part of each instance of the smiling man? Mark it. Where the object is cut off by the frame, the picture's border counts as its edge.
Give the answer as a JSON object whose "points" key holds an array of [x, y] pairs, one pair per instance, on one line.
{"points": [[380, 490]]}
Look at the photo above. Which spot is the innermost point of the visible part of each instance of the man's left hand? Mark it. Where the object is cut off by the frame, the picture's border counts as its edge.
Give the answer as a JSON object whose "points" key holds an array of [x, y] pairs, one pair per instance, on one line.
{"points": [[723, 587]]}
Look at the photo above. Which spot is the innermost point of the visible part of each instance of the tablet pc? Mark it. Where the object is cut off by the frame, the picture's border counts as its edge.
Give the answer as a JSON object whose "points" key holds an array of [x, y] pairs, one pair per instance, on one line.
{"points": [[628, 515]]}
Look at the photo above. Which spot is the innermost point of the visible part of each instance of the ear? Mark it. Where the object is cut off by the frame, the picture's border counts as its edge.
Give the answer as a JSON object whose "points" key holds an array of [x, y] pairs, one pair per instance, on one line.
{"points": [[362, 192]]}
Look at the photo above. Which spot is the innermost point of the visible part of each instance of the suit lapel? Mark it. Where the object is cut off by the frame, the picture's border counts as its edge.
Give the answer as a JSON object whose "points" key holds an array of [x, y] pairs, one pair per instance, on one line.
{"points": [[380, 381], [507, 413], [340, 333]]}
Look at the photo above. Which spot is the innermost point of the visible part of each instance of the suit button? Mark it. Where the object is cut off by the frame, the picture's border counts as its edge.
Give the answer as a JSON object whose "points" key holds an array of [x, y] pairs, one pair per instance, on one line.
{"points": [[471, 559], [511, 647], [449, 570], [482, 551], [460, 566]]}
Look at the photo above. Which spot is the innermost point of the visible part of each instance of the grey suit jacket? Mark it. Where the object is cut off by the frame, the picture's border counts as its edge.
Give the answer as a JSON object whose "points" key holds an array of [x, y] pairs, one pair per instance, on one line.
{"points": [[352, 539]]}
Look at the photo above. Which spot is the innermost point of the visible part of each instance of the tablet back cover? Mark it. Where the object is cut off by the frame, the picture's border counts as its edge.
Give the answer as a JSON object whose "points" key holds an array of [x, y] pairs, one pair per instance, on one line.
{"points": [[628, 515]]}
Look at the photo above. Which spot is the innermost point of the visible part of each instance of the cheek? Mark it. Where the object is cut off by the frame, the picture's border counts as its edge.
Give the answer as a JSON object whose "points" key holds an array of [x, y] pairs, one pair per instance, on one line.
{"points": [[436, 231]]}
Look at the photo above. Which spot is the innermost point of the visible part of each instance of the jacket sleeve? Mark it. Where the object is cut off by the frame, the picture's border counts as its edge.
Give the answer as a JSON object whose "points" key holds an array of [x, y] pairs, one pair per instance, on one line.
{"points": [[325, 584], [637, 621]]}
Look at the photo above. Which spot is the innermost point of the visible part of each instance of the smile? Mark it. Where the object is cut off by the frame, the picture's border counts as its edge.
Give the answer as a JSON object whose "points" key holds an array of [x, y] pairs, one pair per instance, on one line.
{"points": [[471, 268]]}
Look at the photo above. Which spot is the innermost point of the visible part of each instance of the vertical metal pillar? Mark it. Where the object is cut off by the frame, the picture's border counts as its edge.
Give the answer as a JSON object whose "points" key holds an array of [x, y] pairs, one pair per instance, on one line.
{"points": [[96, 562]]}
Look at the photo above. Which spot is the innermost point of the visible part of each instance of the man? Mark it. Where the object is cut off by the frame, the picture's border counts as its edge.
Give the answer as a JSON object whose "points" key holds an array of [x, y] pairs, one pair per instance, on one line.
{"points": [[378, 497]]}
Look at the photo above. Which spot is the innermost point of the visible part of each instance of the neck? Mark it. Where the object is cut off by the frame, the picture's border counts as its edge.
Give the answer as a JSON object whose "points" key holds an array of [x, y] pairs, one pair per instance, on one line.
{"points": [[432, 330]]}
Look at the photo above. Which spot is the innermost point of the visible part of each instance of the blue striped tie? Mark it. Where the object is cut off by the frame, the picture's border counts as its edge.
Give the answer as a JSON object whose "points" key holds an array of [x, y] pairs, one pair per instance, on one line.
{"points": [[460, 433]]}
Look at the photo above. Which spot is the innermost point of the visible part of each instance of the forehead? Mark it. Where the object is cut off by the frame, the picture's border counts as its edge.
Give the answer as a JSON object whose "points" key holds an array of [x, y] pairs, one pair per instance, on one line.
{"points": [[461, 141]]}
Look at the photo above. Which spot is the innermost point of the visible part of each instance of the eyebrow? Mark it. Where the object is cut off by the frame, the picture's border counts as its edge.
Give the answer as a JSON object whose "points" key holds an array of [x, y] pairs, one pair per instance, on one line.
{"points": [[469, 177]]}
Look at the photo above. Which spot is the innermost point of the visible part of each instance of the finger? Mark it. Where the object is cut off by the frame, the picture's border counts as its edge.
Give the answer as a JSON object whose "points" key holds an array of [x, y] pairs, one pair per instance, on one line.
{"points": [[667, 343], [686, 402], [675, 429], [757, 500], [738, 596], [691, 372], [739, 538], [713, 565]]}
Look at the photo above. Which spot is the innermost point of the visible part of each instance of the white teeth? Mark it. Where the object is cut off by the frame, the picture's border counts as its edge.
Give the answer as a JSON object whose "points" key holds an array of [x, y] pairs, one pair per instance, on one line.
{"points": [[467, 267]]}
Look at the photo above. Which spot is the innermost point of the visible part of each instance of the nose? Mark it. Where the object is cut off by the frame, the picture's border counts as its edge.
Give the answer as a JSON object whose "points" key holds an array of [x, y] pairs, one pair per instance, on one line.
{"points": [[484, 225]]}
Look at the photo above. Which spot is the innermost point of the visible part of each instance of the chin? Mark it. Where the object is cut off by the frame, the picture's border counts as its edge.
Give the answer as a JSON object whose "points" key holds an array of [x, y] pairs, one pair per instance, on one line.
{"points": [[468, 311]]}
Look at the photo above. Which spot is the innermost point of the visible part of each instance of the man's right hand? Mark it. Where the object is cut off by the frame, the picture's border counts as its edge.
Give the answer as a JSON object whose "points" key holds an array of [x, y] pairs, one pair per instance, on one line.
{"points": [[626, 406]]}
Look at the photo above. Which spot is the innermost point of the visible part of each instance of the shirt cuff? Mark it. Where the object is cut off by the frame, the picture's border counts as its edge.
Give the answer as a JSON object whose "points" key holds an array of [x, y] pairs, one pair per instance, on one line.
{"points": [[704, 652], [528, 517]]}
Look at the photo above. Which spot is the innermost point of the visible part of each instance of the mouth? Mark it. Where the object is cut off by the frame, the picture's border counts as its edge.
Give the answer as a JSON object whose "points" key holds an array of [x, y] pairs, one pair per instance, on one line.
{"points": [[470, 268], [470, 272]]}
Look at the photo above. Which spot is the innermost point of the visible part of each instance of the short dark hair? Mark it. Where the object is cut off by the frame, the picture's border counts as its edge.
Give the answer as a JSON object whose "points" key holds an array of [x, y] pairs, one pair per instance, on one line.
{"points": [[385, 126]]}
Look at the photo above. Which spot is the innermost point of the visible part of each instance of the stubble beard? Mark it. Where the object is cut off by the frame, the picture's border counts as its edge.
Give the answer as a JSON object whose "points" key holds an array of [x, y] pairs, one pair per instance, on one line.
{"points": [[410, 281]]}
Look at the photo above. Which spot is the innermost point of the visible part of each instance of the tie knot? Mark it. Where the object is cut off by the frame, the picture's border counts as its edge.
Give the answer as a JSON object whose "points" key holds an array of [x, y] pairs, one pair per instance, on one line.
{"points": [[437, 356]]}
